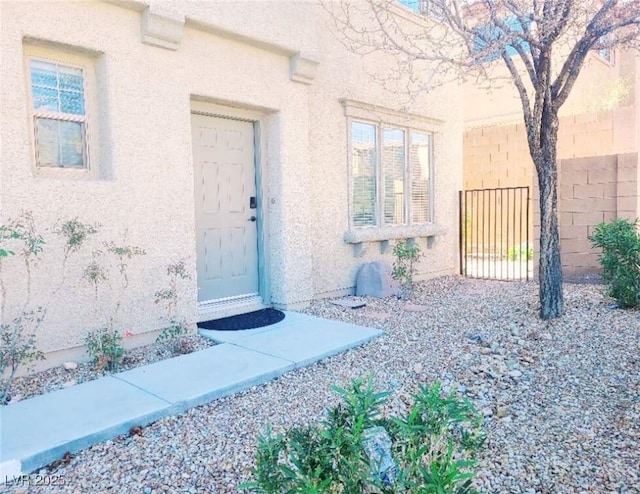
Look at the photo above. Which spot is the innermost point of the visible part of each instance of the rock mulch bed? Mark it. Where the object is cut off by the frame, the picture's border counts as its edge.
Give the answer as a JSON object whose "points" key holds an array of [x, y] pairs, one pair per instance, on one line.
{"points": [[561, 398], [58, 377]]}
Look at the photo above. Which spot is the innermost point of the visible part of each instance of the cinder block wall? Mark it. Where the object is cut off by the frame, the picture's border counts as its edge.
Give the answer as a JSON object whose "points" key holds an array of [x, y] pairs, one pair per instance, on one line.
{"points": [[598, 175], [593, 190]]}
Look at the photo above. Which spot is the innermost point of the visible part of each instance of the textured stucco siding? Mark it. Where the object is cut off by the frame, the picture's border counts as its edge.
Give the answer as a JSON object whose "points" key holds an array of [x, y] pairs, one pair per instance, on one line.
{"points": [[144, 194]]}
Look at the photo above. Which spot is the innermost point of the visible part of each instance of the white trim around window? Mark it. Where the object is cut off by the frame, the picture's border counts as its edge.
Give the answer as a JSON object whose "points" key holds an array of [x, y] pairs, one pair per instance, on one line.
{"points": [[61, 94], [391, 174]]}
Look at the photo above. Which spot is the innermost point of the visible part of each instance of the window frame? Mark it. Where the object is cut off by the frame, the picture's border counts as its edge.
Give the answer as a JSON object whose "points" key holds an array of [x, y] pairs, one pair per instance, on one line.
{"points": [[423, 8], [76, 60], [510, 49], [379, 207]]}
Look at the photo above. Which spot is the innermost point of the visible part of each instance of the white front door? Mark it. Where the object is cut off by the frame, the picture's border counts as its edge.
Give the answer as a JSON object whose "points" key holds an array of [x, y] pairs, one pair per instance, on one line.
{"points": [[225, 200]]}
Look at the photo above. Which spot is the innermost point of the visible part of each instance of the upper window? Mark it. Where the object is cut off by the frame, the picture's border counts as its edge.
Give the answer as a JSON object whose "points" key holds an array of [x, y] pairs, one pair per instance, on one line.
{"points": [[606, 53], [391, 174], [488, 34], [424, 7], [59, 114], [62, 97]]}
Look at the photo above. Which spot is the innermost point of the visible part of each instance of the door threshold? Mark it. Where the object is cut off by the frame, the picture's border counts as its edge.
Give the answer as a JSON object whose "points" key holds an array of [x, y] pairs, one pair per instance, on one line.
{"points": [[232, 306]]}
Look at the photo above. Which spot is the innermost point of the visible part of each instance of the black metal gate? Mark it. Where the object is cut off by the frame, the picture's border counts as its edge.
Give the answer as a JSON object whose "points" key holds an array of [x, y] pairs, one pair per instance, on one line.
{"points": [[495, 228]]}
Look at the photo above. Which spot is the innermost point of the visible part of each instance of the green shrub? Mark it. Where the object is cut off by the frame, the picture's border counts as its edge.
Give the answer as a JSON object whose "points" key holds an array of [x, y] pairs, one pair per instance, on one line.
{"points": [[520, 252], [18, 337], [105, 348], [407, 255], [355, 449], [620, 259], [171, 336], [17, 348]]}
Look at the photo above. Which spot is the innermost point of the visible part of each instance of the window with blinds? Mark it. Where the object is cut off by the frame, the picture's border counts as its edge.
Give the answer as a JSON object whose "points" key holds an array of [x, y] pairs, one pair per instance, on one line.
{"points": [[391, 175], [364, 157]]}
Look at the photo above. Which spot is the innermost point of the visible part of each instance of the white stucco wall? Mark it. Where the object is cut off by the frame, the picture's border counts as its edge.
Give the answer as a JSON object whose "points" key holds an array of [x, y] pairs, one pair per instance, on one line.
{"points": [[237, 54]]}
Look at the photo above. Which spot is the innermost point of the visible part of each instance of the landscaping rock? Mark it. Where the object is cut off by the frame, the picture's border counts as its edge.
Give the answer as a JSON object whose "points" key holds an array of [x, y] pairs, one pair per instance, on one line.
{"points": [[570, 422], [415, 308], [374, 280], [379, 315], [350, 302], [70, 366]]}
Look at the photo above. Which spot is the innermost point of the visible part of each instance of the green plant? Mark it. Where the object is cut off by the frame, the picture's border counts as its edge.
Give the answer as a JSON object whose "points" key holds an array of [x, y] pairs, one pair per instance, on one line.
{"points": [[75, 234], [356, 449], [104, 346], [171, 338], [18, 338], [171, 335], [620, 259], [94, 274], [407, 255], [522, 252], [32, 245], [8, 232], [18, 348], [124, 253]]}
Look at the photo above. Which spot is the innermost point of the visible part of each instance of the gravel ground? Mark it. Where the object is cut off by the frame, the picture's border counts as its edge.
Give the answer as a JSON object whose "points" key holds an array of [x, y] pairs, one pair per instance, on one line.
{"points": [[561, 398], [59, 377]]}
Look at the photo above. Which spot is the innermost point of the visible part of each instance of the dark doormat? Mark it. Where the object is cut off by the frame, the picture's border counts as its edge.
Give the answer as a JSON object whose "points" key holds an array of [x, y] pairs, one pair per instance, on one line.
{"points": [[251, 320]]}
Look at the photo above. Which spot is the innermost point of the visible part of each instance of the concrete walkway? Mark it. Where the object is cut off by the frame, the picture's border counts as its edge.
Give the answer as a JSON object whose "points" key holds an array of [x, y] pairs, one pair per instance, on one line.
{"points": [[37, 431]]}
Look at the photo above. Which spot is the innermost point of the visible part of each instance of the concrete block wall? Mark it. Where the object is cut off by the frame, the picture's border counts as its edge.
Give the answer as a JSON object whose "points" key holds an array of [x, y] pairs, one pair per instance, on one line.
{"points": [[593, 190], [598, 176]]}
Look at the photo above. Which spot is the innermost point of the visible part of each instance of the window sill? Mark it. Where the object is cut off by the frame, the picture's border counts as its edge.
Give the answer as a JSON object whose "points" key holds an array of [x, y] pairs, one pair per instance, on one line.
{"points": [[362, 237]]}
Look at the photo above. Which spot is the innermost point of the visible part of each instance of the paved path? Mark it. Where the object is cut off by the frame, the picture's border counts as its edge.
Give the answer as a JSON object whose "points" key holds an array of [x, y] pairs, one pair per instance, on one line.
{"points": [[37, 431]]}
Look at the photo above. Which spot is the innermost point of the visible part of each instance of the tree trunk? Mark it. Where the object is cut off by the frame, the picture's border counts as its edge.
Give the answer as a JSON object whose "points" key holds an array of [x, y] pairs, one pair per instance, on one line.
{"points": [[550, 268]]}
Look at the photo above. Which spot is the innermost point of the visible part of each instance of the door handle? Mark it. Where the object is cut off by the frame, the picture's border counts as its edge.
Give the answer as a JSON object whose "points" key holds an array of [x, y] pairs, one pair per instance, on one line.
{"points": [[253, 218]]}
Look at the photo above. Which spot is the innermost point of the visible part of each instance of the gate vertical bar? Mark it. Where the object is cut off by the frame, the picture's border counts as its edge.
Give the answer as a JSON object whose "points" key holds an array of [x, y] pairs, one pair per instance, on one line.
{"points": [[469, 247], [495, 229], [501, 232], [476, 215], [520, 211], [461, 233], [507, 225], [527, 220], [515, 247], [489, 259], [482, 241]]}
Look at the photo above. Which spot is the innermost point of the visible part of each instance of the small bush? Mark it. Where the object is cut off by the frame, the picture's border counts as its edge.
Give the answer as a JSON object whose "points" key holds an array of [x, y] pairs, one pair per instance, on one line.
{"points": [[620, 259], [17, 348], [105, 348], [407, 255], [356, 450], [171, 338]]}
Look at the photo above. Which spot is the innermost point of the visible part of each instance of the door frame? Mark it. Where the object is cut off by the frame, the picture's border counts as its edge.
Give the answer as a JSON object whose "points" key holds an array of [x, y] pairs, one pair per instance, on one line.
{"points": [[237, 305]]}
